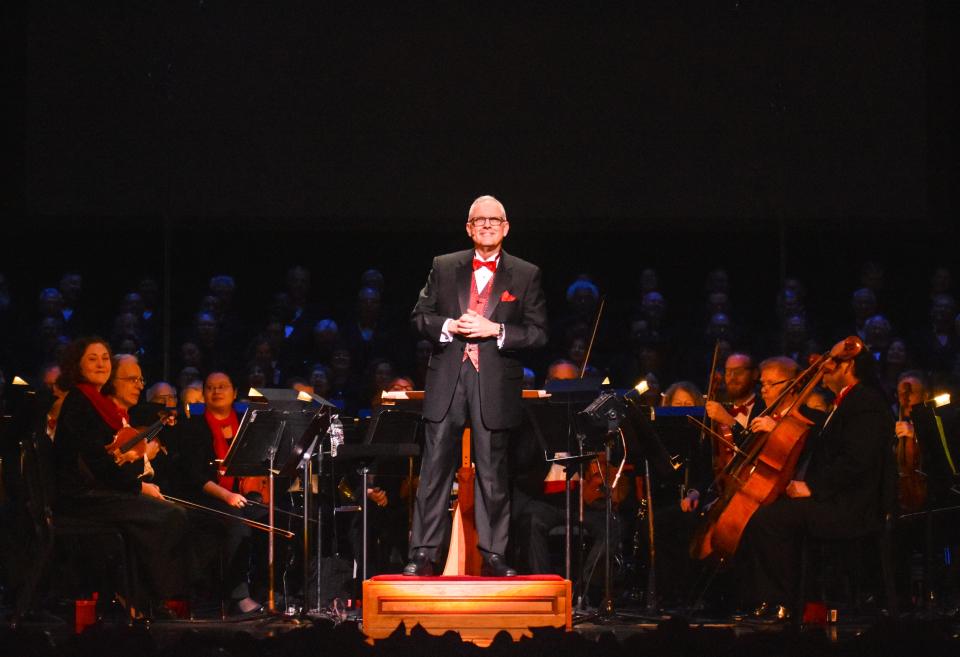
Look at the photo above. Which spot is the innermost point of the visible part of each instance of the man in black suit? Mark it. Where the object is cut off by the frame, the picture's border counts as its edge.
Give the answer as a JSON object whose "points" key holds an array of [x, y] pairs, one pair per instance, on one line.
{"points": [[843, 493], [478, 307]]}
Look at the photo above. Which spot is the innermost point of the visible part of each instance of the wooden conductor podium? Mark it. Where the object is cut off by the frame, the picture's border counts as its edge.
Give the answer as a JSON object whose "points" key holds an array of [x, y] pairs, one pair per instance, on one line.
{"points": [[460, 600]]}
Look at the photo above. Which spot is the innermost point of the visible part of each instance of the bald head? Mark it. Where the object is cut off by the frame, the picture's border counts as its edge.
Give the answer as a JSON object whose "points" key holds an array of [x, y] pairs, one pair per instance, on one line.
{"points": [[485, 200]]}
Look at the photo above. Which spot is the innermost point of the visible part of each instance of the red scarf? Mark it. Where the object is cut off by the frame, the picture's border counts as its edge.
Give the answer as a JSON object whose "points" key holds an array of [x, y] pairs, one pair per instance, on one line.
{"points": [[220, 445], [106, 408]]}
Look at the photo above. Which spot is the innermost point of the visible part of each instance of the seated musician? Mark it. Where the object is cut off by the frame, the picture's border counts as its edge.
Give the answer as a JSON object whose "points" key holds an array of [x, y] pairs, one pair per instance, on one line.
{"points": [[538, 506], [199, 443], [776, 373], [91, 484], [836, 495], [674, 522], [740, 381]]}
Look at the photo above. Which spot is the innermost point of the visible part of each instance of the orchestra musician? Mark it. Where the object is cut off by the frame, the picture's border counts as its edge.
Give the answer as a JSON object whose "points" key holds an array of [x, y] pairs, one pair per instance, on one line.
{"points": [[199, 444], [537, 503], [124, 387], [740, 377], [478, 308], [838, 495], [91, 484]]}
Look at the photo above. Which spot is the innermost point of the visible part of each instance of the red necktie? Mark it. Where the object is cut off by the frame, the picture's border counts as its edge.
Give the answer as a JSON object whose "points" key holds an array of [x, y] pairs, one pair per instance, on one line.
{"points": [[740, 410], [489, 264]]}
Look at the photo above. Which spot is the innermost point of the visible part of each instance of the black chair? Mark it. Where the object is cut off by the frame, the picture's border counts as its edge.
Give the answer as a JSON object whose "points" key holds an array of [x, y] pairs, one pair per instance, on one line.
{"points": [[43, 531]]}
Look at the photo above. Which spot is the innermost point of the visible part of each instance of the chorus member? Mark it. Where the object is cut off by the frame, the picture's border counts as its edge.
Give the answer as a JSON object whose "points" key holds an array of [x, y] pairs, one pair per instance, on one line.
{"points": [[479, 307]]}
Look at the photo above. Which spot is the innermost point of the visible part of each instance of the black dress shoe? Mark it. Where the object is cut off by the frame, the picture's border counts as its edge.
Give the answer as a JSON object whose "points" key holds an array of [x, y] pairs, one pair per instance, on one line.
{"points": [[495, 566], [770, 613], [420, 565]]}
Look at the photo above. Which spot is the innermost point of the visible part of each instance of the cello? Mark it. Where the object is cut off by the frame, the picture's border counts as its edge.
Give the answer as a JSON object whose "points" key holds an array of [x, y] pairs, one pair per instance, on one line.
{"points": [[761, 469]]}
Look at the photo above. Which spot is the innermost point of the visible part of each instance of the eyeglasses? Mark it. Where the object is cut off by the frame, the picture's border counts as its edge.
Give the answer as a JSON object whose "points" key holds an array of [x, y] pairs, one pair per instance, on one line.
{"points": [[132, 379], [770, 384], [486, 221]]}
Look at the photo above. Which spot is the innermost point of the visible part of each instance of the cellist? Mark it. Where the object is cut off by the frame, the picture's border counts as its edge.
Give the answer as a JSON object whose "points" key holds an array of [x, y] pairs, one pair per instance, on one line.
{"points": [[838, 496]]}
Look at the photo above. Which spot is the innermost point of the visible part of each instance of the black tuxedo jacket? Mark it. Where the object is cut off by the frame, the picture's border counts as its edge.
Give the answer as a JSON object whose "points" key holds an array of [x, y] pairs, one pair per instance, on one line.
{"points": [[852, 463], [516, 300]]}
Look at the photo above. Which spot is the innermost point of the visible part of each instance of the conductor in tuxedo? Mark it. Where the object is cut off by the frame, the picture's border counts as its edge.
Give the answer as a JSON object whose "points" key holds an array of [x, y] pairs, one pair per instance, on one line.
{"points": [[479, 307]]}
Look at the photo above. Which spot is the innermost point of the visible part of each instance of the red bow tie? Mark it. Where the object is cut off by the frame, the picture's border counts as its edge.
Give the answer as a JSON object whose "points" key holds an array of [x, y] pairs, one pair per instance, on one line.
{"points": [[740, 410], [489, 264]]}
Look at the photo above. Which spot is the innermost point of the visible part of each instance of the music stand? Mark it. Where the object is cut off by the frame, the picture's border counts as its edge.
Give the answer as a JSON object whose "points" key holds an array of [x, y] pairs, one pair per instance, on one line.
{"points": [[554, 423], [395, 430], [279, 426], [939, 469], [623, 413]]}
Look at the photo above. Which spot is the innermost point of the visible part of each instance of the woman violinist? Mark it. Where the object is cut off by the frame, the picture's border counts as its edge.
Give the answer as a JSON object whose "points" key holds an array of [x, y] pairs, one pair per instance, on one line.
{"points": [[199, 445], [91, 484], [840, 493]]}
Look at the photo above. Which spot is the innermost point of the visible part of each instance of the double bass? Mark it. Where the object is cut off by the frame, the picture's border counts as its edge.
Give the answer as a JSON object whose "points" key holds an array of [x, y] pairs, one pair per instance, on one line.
{"points": [[763, 466]]}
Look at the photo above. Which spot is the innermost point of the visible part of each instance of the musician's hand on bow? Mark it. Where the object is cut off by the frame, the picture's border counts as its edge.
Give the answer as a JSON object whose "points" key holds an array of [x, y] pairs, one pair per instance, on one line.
{"points": [[475, 325], [150, 490], [236, 500], [798, 489], [763, 424], [378, 495], [905, 429], [717, 413]]}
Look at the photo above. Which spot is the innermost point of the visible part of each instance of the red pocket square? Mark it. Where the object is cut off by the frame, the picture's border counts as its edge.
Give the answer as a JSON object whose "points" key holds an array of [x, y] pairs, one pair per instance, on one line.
{"points": [[506, 296]]}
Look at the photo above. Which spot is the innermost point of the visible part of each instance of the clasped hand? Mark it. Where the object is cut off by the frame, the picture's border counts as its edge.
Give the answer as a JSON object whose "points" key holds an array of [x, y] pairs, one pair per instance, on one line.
{"points": [[472, 324]]}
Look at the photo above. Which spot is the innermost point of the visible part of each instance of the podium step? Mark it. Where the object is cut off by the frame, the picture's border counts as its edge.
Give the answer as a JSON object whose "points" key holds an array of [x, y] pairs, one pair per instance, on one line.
{"points": [[475, 607]]}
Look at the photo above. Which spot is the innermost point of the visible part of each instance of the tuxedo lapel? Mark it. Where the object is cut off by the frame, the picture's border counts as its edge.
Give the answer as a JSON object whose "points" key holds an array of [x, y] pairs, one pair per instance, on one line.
{"points": [[501, 283], [464, 280]]}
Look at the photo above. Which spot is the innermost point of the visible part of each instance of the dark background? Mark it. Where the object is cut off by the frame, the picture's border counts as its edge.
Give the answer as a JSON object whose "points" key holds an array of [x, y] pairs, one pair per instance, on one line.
{"points": [[770, 138]]}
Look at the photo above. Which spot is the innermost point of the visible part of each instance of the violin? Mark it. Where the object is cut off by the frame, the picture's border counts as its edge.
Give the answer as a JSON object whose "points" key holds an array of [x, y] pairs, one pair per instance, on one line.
{"points": [[598, 476], [722, 447], [256, 486], [911, 481], [130, 444]]}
